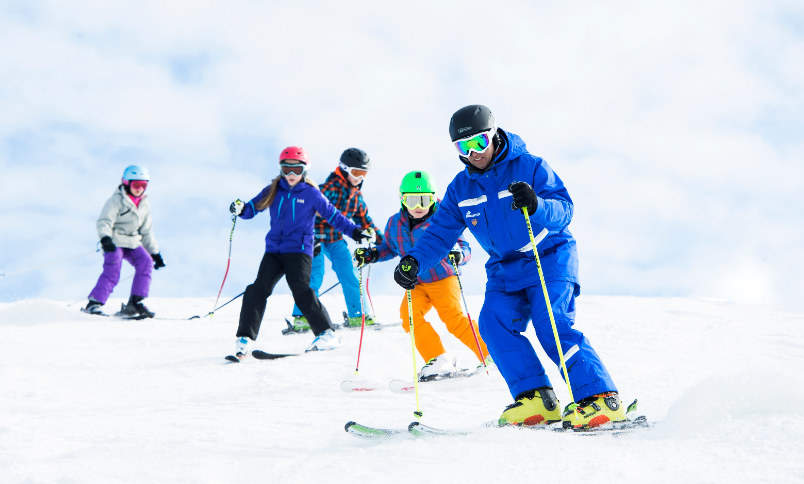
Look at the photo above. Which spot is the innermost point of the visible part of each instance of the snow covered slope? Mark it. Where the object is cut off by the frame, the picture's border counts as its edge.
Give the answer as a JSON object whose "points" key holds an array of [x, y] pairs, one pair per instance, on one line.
{"points": [[90, 399]]}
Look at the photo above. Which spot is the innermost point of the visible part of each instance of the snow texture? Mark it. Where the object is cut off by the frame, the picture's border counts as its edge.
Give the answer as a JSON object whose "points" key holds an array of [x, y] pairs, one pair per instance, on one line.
{"points": [[92, 399]]}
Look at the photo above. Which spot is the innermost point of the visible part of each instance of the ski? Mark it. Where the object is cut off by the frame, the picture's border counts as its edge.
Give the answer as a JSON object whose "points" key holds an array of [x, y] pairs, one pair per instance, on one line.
{"points": [[122, 317], [351, 385], [262, 355], [259, 355], [615, 428], [233, 359], [401, 386], [84, 310], [291, 329], [419, 429], [366, 432], [458, 373], [406, 386]]}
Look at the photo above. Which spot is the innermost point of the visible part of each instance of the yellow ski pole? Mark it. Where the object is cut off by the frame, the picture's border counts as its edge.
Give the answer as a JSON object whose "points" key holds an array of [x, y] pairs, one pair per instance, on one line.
{"points": [[547, 302], [418, 412]]}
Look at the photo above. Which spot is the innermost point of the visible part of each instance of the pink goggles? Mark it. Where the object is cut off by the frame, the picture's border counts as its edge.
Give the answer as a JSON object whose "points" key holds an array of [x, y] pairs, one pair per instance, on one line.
{"points": [[138, 184]]}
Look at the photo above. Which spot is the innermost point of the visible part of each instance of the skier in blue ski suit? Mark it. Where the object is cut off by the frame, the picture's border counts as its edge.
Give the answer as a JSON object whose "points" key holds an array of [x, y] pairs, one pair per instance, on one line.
{"points": [[480, 200]]}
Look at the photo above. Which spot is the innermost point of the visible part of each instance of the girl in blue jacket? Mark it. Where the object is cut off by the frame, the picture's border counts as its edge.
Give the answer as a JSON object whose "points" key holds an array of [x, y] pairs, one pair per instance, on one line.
{"points": [[500, 179], [293, 201]]}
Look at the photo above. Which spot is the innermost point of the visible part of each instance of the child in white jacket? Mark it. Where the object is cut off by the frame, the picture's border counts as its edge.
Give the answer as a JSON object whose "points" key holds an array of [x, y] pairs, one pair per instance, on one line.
{"points": [[124, 228]]}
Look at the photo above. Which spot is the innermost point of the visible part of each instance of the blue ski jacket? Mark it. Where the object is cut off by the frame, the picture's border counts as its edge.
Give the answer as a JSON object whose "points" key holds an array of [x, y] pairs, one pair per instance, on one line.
{"points": [[292, 216], [400, 239], [481, 202]]}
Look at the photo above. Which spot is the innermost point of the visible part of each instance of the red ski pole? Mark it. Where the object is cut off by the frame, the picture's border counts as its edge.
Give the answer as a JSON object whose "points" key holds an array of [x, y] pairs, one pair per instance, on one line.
{"points": [[228, 262]]}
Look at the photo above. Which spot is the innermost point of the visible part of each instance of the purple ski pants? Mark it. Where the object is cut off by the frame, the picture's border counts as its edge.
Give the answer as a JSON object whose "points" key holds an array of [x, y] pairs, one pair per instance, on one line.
{"points": [[143, 265]]}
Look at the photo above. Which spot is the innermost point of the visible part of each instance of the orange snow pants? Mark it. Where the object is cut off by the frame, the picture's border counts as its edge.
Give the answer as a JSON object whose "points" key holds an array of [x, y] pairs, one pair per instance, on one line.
{"points": [[444, 296]]}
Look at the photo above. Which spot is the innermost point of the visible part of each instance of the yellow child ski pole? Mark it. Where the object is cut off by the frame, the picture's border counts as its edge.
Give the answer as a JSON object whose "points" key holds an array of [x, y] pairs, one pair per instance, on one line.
{"points": [[418, 412], [468, 316], [547, 302]]}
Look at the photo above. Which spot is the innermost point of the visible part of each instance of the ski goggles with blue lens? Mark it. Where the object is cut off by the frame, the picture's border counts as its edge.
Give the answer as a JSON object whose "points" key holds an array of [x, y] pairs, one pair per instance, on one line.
{"points": [[478, 143], [418, 200]]}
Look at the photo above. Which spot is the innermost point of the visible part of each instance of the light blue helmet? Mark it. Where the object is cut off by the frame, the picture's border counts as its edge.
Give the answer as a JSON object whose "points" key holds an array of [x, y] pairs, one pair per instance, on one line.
{"points": [[135, 172]]}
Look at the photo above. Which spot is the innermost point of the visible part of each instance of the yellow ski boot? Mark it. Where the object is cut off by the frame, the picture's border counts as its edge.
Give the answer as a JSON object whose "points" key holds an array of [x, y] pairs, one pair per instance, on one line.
{"points": [[534, 407], [594, 411]]}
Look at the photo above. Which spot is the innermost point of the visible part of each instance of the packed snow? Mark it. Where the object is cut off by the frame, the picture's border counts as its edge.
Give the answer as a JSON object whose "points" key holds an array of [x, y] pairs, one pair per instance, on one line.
{"points": [[93, 399]]}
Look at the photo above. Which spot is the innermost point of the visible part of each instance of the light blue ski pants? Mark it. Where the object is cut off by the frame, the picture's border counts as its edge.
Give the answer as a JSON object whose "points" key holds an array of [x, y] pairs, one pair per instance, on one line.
{"points": [[341, 260]]}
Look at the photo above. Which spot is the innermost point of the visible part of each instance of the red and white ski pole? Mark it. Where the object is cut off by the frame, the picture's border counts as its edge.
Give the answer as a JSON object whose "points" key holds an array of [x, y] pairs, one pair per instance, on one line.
{"points": [[228, 262]]}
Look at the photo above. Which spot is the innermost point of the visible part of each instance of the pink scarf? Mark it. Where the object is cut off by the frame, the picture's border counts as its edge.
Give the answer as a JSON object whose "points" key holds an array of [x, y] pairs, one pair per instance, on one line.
{"points": [[134, 199]]}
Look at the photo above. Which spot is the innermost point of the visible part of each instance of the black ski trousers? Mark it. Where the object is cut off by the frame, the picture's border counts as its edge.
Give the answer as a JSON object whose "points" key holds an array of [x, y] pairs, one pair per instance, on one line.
{"points": [[296, 269]]}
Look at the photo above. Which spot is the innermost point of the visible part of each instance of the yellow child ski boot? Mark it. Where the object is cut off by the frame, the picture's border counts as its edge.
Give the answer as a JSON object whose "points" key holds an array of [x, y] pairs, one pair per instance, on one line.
{"points": [[594, 411], [534, 407]]}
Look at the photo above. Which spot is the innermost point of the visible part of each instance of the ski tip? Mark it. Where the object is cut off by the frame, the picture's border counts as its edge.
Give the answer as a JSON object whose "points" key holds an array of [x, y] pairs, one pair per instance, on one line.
{"points": [[412, 426], [232, 359], [195, 317], [348, 425]]}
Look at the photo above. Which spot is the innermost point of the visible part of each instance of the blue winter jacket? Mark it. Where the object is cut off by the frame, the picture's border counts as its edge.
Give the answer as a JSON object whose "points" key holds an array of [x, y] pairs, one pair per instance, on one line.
{"points": [[400, 239], [482, 203], [292, 215]]}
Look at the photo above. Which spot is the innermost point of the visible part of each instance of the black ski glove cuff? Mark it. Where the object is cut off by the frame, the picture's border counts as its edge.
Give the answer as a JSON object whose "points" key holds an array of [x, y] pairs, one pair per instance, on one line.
{"points": [[107, 244], [524, 196], [158, 261], [406, 272]]}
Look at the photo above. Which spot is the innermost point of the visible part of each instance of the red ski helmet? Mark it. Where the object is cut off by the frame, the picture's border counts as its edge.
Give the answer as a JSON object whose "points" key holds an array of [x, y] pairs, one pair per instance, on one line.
{"points": [[294, 153]]}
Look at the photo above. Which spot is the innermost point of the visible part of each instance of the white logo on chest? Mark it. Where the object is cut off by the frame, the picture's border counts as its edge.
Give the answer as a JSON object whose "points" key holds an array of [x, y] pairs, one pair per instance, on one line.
{"points": [[469, 214]]}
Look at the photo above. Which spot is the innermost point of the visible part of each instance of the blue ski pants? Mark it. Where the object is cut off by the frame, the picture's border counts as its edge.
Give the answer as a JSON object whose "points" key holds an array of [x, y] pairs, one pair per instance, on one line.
{"points": [[505, 317], [341, 259]]}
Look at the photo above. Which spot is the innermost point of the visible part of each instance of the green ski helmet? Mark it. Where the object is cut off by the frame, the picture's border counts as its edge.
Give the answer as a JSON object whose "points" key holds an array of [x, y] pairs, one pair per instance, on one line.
{"points": [[416, 182]]}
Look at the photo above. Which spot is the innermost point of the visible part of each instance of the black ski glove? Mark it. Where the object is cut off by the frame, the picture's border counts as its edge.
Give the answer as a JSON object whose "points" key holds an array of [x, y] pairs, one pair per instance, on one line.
{"points": [[457, 255], [359, 235], [406, 272], [107, 244], [365, 255], [316, 248], [524, 196], [158, 261]]}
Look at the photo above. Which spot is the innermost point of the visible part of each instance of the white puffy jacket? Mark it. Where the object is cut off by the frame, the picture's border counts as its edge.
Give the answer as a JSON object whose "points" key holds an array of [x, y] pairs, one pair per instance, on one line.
{"points": [[127, 225]]}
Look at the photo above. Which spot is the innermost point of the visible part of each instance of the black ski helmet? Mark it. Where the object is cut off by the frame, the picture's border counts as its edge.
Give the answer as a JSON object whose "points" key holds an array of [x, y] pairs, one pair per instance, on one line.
{"points": [[470, 120], [355, 158]]}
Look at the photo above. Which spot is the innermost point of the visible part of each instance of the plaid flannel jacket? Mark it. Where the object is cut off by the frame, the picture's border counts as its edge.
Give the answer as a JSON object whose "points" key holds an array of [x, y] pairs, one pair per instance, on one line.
{"points": [[349, 201]]}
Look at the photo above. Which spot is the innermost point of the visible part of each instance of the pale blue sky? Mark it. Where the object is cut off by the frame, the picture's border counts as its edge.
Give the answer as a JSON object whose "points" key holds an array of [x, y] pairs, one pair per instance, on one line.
{"points": [[676, 128]]}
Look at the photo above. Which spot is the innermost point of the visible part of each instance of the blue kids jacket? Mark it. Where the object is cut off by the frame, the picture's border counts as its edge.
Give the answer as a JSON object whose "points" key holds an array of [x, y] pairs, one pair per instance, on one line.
{"points": [[400, 239], [292, 216], [482, 203]]}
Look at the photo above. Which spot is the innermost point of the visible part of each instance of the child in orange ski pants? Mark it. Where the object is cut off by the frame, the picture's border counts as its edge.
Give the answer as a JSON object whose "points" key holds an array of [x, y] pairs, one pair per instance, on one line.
{"points": [[444, 296], [438, 287]]}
